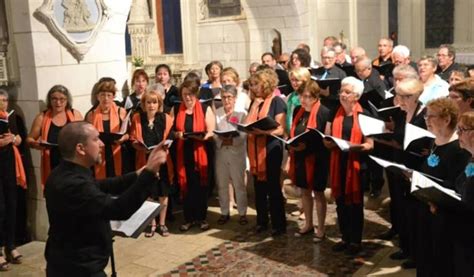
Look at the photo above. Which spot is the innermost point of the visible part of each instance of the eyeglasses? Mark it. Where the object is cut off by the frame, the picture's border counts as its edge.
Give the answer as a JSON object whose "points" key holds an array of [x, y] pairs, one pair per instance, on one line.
{"points": [[58, 99], [282, 62], [442, 55], [327, 58], [227, 97], [461, 130]]}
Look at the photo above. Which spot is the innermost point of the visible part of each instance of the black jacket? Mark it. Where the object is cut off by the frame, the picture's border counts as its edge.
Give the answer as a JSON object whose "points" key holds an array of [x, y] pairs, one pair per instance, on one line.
{"points": [[79, 210]]}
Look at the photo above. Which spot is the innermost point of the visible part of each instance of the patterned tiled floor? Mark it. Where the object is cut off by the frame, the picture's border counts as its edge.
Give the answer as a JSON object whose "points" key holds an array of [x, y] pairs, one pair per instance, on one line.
{"points": [[234, 250], [250, 254]]}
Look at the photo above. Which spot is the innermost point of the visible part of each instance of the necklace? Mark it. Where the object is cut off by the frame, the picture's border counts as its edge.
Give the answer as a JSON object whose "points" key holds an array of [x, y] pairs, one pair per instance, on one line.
{"points": [[151, 124], [433, 159]]}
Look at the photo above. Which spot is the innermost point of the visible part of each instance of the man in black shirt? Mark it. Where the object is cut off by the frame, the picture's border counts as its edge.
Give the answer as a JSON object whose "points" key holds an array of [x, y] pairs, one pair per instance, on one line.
{"points": [[446, 56], [329, 70], [80, 208], [374, 87]]}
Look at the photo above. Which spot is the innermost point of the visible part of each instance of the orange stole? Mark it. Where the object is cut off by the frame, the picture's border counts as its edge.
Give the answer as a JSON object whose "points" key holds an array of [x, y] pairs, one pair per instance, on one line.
{"points": [[46, 153], [352, 190], [311, 158], [19, 169], [136, 134], [97, 121], [200, 155], [256, 145]]}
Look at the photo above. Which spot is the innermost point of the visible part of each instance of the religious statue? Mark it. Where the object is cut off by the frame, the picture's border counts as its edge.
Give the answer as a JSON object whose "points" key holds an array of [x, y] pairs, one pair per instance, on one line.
{"points": [[77, 16], [203, 10]]}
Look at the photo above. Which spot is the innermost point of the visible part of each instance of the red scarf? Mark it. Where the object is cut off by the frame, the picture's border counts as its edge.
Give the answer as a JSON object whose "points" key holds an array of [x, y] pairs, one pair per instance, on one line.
{"points": [[200, 155], [352, 193], [97, 121], [46, 153], [19, 169], [136, 134], [256, 145], [311, 158]]}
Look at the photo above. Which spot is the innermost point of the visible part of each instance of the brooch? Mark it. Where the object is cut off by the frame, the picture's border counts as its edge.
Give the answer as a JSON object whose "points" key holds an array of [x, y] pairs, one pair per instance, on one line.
{"points": [[469, 171], [433, 160]]}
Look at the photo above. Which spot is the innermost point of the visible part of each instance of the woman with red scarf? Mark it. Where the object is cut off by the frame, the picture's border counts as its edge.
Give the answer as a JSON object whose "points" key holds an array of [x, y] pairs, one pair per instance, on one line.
{"points": [[266, 152], [107, 117], [46, 127], [150, 127], [309, 161], [194, 124], [13, 174], [345, 178]]}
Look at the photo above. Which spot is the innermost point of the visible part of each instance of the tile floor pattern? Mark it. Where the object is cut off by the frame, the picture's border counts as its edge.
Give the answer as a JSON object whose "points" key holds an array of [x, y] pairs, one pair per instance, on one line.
{"points": [[234, 250], [251, 254]]}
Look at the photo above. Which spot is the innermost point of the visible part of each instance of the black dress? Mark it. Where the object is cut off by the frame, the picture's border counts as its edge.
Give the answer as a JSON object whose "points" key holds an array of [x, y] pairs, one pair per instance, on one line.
{"points": [[153, 135], [350, 217], [322, 154], [195, 200], [171, 98], [464, 225], [8, 192], [268, 193], [55, 156], [434, 251]]}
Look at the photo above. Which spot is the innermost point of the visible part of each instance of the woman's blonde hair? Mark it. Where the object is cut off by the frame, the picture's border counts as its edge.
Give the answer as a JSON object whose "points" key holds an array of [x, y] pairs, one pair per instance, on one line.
{"points": [[151, 94], [446, 108], [269, 80], [410, 86], [467, 119]]}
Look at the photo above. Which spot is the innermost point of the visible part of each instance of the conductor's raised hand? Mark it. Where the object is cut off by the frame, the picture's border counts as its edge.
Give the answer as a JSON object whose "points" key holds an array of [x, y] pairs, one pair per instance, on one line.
{"points": [[156, 158]]}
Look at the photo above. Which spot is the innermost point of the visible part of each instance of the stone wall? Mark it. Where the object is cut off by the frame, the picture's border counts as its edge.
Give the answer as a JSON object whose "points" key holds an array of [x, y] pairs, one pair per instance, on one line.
{"points": [[39, 61]]}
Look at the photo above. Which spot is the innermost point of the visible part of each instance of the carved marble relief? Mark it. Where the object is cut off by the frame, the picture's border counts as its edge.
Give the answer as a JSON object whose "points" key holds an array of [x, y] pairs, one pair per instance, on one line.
{"points": [[76, 16], [74, 23]]}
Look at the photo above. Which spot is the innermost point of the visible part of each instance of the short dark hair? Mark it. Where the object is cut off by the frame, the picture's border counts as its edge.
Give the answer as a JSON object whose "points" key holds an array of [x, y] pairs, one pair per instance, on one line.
{"points": [[70, 136], [165, 66], [465, 88], [191, 85], [303, 56], [267, 54]]}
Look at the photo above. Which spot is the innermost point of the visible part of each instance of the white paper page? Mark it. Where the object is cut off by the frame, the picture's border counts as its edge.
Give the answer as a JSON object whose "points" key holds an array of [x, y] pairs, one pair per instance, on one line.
{"points": [[129, 226], [388, 94], [420, 181], [125, 123], [371, 126], [384, 163], [413, 132]]}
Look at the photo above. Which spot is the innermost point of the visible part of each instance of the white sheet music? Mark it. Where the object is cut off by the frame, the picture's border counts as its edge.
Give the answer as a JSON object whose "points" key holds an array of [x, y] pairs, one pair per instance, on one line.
{"points": [[371, 126], [343, 145], [125, 123], [413, 132], [384, 163], [419, 181], [129, 226]]}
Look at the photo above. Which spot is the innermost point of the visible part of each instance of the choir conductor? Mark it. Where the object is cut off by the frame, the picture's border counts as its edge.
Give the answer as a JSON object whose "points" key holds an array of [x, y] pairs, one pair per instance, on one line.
{"points": [[80, 207]]}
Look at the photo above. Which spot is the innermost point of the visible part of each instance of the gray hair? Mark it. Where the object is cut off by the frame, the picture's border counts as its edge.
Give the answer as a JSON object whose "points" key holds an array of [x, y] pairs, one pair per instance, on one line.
{"points": [[158, 88], [229, 89], [401, 50], [389, 40], [4, 93], [356, 84], [405, 70], [430, 59], [365, 61]]}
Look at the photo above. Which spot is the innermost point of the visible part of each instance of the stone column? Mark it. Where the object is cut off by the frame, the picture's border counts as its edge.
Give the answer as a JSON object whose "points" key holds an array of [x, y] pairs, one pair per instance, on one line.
{"points": [[40, 61], [190, 36], [140, 27]]}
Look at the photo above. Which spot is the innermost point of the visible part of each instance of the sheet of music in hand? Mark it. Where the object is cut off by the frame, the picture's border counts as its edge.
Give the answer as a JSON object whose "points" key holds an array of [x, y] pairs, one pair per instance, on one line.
{"points": [[137, 223], [415, 133], [304, 137], [334, 83], [47, 144], [342, 144], [428, 190], [384, 113], [264, 124], [4, 126], [194, 134], [166, 144], [373, 127], [109, 138], [227, 133]]}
